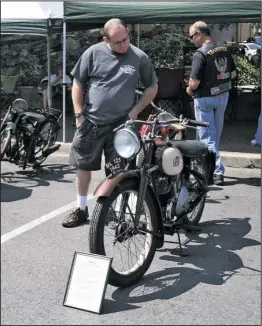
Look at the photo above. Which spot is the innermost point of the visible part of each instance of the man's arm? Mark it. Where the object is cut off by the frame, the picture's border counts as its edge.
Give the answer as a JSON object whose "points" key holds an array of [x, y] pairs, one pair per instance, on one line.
{"points": [[196, 74], [78, 96], [192, 85], [80, 74], [147, 98], [78, 100], [149, 80]]}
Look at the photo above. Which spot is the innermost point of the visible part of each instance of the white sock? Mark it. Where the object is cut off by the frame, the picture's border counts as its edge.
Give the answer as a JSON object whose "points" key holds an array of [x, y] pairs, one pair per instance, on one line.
{"points": [[82, 202]]}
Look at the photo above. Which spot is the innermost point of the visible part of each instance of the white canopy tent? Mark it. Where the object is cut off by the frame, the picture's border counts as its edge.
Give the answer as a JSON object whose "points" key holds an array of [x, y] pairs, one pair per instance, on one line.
{"points": [[33, 18], [31, 10]]}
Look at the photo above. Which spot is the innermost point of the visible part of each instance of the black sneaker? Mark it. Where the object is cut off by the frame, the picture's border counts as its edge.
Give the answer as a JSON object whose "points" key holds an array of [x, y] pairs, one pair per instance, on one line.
{"points": [[218, 179], [75, 218]]}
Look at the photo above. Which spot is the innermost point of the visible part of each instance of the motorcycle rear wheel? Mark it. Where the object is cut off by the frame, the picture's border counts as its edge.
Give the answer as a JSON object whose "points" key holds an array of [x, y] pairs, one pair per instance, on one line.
{"points": [[5, 141], [118, 224], [46, 135], [195, 216]]}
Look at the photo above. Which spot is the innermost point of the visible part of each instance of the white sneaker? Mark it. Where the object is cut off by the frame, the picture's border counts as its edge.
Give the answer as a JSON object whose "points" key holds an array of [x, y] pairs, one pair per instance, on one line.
{"points": [[254, 143]]}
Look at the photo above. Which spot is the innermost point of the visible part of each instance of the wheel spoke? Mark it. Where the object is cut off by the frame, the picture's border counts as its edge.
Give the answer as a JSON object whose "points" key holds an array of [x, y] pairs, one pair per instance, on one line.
{"points": [[128, 247]]}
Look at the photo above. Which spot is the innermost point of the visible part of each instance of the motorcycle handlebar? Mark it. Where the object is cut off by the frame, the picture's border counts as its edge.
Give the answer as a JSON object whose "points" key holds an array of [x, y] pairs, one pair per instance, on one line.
{"points": [[149, 123], [198, 123]]}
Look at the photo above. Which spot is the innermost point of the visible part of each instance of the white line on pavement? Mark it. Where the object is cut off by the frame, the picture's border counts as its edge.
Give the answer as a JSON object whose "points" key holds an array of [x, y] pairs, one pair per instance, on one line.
{"points": [[26, 227]]}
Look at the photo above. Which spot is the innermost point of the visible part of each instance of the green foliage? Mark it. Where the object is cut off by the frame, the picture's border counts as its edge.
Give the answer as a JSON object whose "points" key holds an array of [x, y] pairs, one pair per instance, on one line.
{"points": [[165, 46], [256, 27], [247, 73]]}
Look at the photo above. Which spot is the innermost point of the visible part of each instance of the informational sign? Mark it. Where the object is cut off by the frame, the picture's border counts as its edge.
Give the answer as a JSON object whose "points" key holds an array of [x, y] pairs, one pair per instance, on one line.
{"points": [[87, 282]]}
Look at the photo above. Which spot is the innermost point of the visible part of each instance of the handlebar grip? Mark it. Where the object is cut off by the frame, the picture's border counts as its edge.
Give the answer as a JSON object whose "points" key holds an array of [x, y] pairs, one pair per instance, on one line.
{"points": [[198, 123]]}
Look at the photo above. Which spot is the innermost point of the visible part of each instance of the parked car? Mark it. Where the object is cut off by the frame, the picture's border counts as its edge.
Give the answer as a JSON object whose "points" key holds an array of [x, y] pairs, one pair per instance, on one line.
{"points": [[250, 49], [258, 40]]}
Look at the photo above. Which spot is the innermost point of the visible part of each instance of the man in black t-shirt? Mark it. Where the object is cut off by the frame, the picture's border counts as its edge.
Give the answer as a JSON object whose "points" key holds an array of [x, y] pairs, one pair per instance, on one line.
{"points": [[210, 80]]}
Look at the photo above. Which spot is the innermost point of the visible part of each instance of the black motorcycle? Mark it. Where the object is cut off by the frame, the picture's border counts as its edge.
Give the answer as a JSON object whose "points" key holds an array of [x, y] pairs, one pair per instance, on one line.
{"points": [[29, 136], [164, 193]]}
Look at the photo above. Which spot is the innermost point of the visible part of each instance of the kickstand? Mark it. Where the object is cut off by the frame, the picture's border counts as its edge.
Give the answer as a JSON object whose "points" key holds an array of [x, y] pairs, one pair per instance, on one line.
{"points": [[182, 254]]}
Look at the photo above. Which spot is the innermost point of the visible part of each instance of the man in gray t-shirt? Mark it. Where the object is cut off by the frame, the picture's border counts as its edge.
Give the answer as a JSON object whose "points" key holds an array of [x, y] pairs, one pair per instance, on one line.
{"points": [[110, 72]]}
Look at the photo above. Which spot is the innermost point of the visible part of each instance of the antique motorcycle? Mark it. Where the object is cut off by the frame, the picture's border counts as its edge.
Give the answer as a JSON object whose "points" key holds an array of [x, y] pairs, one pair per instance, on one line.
{"points": [[164, 192], [28, 137]]}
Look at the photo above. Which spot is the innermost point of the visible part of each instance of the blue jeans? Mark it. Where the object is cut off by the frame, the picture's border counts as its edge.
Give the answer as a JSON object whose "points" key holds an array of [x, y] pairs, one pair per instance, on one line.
{"points": [[258, 133], [212, 110]]}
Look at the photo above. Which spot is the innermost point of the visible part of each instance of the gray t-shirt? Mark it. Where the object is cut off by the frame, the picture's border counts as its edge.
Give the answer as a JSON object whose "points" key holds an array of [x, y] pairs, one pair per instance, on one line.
{"points": [[111, 80]]}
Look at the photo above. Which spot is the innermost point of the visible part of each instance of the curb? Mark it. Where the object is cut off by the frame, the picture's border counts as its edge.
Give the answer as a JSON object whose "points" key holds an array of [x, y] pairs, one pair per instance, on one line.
{"points": [[231, 159], [241, 160]]}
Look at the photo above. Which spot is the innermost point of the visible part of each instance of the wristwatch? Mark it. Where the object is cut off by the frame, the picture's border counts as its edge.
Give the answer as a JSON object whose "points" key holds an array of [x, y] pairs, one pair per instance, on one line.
{"points": [[78, 114]]}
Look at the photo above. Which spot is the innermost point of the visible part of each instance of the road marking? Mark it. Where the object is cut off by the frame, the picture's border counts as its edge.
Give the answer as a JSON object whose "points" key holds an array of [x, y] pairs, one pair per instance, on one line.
{"points": [[26, 227]]}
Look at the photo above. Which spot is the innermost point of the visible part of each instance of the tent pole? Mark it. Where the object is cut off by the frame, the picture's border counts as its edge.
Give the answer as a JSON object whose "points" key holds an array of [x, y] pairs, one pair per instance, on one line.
{"points": [[138, 35], [49, 90], [64, 83]]}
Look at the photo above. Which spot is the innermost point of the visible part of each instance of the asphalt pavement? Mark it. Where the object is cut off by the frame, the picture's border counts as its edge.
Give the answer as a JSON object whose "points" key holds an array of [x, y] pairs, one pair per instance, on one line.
{"points": [[216, 283]]}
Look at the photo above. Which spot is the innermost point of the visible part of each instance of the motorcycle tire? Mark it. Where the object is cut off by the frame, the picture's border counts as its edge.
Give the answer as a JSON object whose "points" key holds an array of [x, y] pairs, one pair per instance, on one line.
{"points": [[50, 125], [97, 228], [5, 142], [195, 216]]}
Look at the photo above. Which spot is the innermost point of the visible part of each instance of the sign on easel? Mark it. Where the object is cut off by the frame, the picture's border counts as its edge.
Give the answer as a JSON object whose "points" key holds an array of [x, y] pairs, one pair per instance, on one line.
{"points": [[87, 282]]}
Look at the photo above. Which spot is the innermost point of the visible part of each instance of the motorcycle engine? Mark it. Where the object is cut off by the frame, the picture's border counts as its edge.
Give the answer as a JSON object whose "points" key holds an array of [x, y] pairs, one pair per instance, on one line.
{"points": [[163, 184]]}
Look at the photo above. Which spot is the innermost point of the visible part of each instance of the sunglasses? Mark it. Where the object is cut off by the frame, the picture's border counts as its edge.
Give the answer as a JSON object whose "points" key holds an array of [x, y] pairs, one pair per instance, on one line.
{"points": [[191, 37], [120, 42]]}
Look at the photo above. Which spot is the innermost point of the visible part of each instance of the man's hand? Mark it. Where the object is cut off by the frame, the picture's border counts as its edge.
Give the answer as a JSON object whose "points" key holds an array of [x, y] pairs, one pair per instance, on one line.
{"points": [[79, 121], [133, 114], [189, 91]]}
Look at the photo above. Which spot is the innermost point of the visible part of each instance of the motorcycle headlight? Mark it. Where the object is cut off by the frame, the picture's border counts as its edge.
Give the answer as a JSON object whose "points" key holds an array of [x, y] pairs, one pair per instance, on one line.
{"points": [[20, 105], [127, 143]]}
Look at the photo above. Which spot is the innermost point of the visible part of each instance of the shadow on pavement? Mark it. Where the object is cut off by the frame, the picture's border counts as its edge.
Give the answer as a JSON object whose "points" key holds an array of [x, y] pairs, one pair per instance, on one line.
{"points": [[246, 181], [18, 185], [211, 252], [11, 193]]}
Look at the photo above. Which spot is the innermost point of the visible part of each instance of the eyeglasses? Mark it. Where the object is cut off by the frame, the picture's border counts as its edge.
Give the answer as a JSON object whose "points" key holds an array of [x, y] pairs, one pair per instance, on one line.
{"points": [[120, 42], [191, 37]]}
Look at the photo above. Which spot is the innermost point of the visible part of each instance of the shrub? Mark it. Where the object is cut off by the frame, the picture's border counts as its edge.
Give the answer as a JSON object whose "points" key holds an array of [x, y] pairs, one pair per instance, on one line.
{"points": [[247, 73]]}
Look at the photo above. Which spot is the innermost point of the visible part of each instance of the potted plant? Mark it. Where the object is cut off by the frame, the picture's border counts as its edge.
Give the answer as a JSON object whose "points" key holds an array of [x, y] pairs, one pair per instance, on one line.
{"points": [[165, 49]]}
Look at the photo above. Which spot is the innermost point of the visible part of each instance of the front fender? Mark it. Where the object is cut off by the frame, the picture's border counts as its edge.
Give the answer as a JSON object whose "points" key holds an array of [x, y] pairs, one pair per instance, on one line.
{"points": [[106, 187]]}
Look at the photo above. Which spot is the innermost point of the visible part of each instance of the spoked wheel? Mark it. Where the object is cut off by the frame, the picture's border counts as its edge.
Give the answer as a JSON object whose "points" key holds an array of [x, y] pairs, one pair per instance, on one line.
{"points": [[114, 233], [195, 190], [46, 137], [5, 141]]}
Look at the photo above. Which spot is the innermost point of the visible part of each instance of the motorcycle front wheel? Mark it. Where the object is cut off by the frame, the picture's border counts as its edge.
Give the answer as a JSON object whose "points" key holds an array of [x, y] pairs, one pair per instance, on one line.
{"points": [[113, 233]]}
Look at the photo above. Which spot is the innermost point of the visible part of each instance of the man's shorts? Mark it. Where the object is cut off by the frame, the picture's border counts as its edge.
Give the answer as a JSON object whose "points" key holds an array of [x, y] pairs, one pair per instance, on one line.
{"points": [[90, 141]]}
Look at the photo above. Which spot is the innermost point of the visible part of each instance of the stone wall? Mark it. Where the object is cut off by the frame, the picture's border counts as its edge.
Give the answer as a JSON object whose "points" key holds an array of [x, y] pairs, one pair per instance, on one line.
{"points": [[27, 55]]}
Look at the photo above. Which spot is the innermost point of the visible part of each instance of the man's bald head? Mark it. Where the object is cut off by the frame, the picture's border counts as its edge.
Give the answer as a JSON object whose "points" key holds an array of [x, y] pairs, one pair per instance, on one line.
{"points": [[200, 27], [114, 24], [116, 35], [199, 33]]}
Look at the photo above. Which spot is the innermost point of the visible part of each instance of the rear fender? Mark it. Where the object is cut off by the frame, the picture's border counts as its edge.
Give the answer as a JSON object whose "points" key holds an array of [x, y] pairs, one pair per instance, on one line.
{"points": [[107, 186]]}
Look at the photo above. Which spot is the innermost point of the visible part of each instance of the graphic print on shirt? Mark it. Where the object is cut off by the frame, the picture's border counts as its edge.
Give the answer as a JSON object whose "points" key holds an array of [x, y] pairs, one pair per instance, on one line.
{"points": [[221, 64], [127, 69]]}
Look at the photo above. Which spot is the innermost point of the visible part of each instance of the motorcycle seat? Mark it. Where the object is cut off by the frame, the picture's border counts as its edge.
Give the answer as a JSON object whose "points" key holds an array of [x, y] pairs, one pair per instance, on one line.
{"points": [[190, 148], [36, 116]]}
